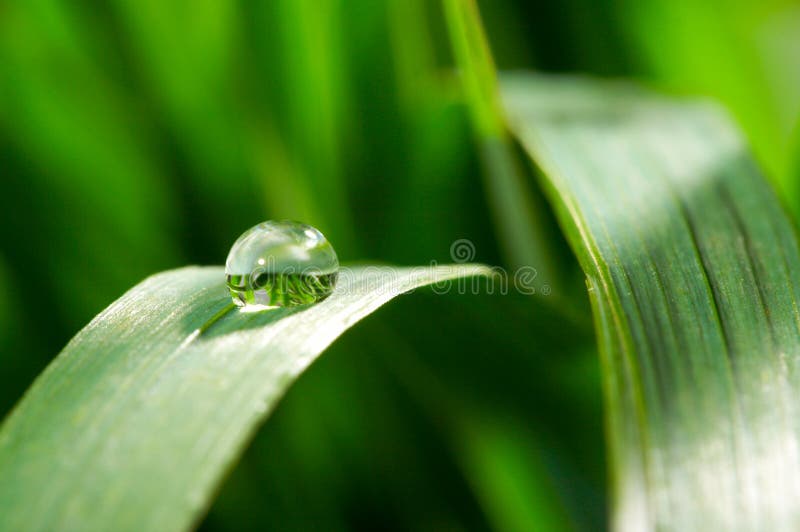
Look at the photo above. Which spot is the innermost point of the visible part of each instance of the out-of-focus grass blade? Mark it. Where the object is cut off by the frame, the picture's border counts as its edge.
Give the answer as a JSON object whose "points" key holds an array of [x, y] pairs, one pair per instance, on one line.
{"points": [[693, 271], [300, 43], [509, 479], [73, 128], [134, 423], [521, 226], [795, 164]]}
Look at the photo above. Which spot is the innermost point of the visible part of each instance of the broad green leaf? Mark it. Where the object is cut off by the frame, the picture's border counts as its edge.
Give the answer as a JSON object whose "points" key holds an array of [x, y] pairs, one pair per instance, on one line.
{"points": [[743, 53], [135, 422], [693, 272]]}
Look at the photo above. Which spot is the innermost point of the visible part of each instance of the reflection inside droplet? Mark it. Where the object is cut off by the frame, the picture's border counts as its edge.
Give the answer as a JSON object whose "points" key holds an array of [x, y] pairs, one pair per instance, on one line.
{"points": [[280, 264]]}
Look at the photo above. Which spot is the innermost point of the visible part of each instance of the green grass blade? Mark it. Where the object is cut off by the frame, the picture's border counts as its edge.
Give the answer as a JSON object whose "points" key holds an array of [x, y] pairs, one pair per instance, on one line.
{"points": [[517, 212], [742, 53], [795, 155], [693, 271], [135, 422]]}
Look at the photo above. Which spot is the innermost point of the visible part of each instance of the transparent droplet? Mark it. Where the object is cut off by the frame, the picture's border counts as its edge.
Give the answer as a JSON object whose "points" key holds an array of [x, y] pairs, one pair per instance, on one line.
{"points": [[281, 264]]}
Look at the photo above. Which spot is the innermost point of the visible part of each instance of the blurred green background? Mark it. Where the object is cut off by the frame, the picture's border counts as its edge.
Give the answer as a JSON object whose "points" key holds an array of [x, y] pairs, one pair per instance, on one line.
{"points": [[141, 136]]}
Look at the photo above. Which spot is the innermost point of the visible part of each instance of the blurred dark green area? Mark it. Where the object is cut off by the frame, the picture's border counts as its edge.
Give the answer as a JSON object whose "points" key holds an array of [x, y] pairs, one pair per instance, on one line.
{"points": [[141, 136]]}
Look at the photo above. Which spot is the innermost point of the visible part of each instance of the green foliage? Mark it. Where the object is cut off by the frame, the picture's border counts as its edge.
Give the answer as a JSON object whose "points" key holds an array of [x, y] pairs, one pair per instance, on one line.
{"points": [[695, 299], [743, 53], [519, 214], [137, 137], [135, 421]]}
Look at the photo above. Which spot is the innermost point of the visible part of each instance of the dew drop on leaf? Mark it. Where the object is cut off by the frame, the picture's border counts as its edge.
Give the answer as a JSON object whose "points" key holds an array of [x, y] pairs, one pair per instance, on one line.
{"points": [[280, 264]]}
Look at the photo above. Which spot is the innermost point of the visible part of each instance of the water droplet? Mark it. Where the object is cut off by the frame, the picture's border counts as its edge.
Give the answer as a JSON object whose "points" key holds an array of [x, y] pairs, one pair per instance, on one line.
{"points": [[280, 264]]}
